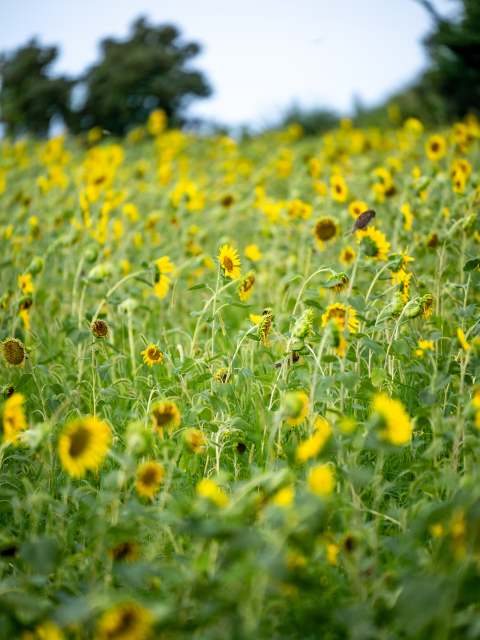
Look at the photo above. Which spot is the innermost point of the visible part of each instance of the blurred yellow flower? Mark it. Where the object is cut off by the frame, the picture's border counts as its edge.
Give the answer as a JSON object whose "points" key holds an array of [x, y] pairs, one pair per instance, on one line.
{"points": [[321, 480]]}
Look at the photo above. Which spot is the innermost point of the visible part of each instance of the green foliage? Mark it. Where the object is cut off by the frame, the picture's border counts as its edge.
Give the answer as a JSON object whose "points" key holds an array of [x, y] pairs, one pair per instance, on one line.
{"points": [[148, 71], [29, 98]]}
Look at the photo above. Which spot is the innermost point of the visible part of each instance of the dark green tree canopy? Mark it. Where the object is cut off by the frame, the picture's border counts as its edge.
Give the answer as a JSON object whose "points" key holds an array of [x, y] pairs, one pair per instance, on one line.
{"points": [[148, 71], [29, 98]]}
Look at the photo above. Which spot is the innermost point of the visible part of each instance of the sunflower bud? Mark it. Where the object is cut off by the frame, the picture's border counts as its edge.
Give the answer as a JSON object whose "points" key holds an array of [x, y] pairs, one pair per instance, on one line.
{"points": [[100, 272], [90, 254], [303, 325], [100, 329], [138, 439], [413, 311], [296, 344], [36, 266], [295, 407], [8, 390], [14, 352]]}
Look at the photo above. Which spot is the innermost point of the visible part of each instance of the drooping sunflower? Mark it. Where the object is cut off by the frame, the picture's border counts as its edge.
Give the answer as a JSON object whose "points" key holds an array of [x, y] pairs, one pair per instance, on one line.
{"points": [[14, 352], [165, 415], [338, 312], [13, 419], [356, 208], [223, 375], [100, 329], [341, 282], [265, 324], [335, 337], [149, 478], [404, 287], [348, 255], [339, 188], [229, 262], [395, 424], [245, 286], [398, 265], [195, 440], [152, 355], [161, 267], [373, 243], [427, 305], [407, 225], [325, 229], [82, 445], [436, 147], [126, 621]]}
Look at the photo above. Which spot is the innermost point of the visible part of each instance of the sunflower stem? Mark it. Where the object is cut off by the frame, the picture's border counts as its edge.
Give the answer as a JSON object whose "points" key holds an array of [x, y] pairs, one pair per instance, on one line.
{"points": [[39, 389], [214, 311]]}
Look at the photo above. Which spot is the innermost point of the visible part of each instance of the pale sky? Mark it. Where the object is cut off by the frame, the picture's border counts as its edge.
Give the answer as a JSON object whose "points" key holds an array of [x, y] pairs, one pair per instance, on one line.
{"points": [[260, 56]]}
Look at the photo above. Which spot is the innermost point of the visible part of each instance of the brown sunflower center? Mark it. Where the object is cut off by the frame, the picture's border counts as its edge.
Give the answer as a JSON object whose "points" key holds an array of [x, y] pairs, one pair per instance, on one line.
{"points": [[325, 229], [435, 146], [336, 314], [13, 351], [338, 188], [163, 417], [149, 476], [79, 441], [227, 263], [153, 354]]}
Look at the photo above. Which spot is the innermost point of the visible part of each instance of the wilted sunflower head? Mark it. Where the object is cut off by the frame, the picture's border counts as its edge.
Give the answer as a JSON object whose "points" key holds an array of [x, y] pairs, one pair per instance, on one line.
{"points": [[426, 305], [325, 229], [245, 286], [195, 440], [265, 324], [14, 352], [149, 478], [100, 328], [339, 282], [165, 414], [127, 621]]}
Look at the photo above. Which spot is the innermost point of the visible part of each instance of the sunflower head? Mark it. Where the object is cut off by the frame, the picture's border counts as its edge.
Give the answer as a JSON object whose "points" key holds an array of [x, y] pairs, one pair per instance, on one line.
{"points": [[339, 282], [356, 208], [436, 147], [8, 390], [338, 312], [392, 420], [82, 445], [373, 243], [348, 255], [245, 286], [303, 326], [223, 375], [149, 478], [13, 418], [325, 229], [100, 329], [14, 352], [125, 551], [195, 440], [229, 261], [335, 337], [126, 621], [227, 201], [165, 415], [339, 188], [295, 407], [427, 305], [265, 323], [152, 355]]}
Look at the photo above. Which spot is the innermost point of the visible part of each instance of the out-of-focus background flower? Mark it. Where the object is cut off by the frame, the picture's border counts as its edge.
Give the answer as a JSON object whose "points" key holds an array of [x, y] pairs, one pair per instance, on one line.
{"points": [[227, 65]]}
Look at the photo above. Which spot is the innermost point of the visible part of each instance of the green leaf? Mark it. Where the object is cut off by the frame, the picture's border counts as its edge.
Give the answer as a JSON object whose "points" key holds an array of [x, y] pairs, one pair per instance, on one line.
{"points": [[202, 285], [357, 302], [373, 345], [470, 265], [236, 303], [314, 303], [103, 367], [23, 380], [348, 378], [43, 368], [378, 376]]}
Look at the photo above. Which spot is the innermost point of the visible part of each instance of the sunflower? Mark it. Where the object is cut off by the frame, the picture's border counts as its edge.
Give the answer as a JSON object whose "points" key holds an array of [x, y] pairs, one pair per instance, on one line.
{"points": [[252, 252], [356, 208], [436, 147], [339, 188], [338, 312], [341, 282], [223, 375], [404, 286], [427, 303], [47, 631], [161, 267], [424, 345], [407, 225], [126, 621], [82, 445], [227, 201], [209, 489], [321, 480], [433, 240], [149, 478], [229, 262], [245, 286], [165, 414], [127, 551], [152, 355], [299, 209], [325, 229], [348, 255], [25, 284], [13, 419], [14, 352], [295, 407], [373, 243], [265, 324], [395, 423], [312, 447], [461, 166], [100, 329], [195, 440], [335, 337], [398, 266]]}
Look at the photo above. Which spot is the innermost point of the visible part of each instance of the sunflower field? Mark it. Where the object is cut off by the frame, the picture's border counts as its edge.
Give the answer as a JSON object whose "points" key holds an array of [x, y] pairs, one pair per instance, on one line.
{"points": [[221, 418]]}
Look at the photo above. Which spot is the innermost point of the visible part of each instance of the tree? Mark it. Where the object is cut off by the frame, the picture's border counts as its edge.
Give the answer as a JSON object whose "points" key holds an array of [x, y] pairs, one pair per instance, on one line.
{"points": [[454, 49], [146, 72], [29, 98]]}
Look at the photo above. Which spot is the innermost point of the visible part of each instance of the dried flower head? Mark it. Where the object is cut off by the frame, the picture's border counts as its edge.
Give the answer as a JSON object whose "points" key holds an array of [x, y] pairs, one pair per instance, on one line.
{"points": [[100, 328], [14, 352]]}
